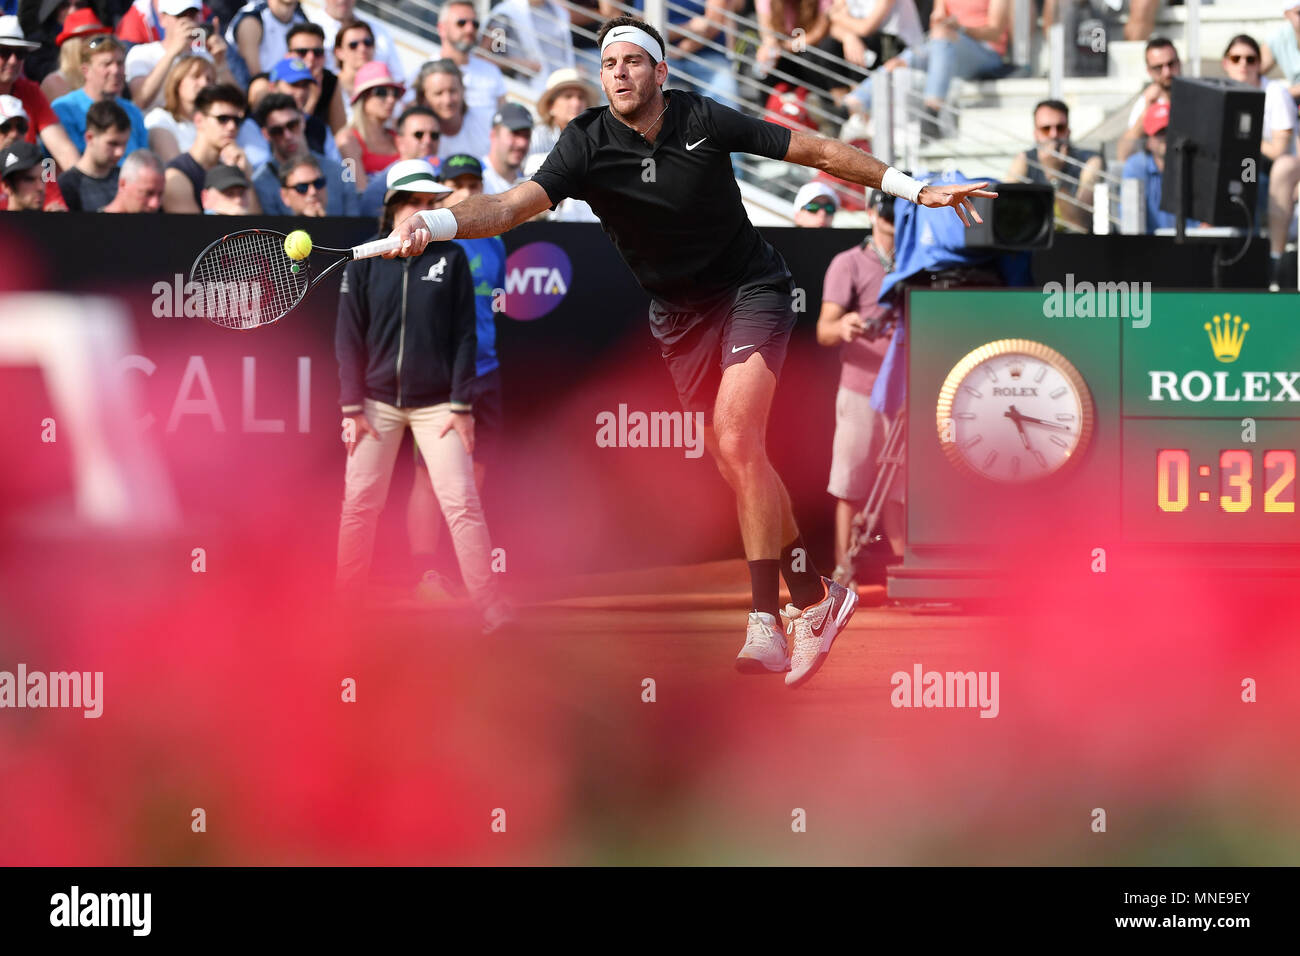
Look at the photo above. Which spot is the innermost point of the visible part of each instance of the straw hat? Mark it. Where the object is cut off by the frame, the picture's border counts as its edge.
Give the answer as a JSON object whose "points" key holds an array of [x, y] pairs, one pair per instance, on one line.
{"points": [[563, 79]]}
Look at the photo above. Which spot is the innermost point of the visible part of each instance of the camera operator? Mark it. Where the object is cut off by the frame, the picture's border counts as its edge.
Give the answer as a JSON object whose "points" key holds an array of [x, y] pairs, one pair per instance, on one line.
{"points": [[853, 318]]}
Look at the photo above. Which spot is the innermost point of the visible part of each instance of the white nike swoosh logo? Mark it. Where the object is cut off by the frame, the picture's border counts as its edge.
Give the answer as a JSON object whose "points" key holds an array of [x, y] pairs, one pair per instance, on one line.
{"points": [[691, 146], [741, 348]]}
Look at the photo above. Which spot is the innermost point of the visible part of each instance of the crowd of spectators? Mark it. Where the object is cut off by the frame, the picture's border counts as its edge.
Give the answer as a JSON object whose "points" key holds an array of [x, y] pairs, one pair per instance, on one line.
{"points": [[269, 106]]}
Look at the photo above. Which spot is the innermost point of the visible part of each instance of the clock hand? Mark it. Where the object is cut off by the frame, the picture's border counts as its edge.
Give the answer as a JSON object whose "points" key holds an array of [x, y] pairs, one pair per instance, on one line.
{"points": [[1015, 416], [1040, 421]]}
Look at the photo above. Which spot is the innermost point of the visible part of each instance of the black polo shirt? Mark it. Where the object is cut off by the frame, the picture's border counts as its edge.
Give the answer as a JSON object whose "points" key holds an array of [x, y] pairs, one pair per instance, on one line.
{"points": [[672, 207]]}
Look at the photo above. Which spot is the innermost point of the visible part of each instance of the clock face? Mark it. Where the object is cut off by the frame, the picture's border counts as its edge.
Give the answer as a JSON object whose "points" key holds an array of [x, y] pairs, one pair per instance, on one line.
{"points": [[1014, 411]]}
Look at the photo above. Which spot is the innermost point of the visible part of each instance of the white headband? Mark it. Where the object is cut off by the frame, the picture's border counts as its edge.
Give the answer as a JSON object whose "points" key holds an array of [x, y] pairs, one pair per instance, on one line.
{"points": [[631, 34]]}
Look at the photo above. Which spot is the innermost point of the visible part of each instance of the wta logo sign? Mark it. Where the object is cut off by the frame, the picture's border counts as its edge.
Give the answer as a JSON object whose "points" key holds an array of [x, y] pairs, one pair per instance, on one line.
{"points": [[537, 279]]}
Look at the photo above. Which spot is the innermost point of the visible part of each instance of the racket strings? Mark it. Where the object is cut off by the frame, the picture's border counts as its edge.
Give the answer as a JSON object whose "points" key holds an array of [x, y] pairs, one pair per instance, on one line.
{"points": [[246, 280]]}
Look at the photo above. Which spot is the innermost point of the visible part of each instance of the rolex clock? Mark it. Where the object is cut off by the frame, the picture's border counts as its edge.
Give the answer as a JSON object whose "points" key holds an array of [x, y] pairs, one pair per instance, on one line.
{"points": [[1014, 411]]}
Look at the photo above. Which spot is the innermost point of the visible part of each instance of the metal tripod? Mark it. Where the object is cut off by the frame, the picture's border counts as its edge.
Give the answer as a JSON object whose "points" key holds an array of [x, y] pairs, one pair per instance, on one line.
{"points": [[863, 531]]}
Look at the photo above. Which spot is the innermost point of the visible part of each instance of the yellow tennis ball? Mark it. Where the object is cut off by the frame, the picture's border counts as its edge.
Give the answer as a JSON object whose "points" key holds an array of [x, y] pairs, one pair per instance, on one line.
{"points": [[297, 245]]}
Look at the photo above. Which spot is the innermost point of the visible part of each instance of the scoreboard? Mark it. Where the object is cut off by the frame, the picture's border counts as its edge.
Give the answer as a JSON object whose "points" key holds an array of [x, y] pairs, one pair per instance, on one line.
{"points": [[1161, 426]]}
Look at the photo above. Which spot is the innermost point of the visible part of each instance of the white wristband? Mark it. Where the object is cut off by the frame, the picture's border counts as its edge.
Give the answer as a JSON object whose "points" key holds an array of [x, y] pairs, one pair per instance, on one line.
{"points": [[440, 223], [901, 185]]}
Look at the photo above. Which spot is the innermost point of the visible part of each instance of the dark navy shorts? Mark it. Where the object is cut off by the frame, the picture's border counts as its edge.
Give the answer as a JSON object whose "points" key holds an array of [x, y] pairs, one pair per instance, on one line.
{"points": [[698, 345]]}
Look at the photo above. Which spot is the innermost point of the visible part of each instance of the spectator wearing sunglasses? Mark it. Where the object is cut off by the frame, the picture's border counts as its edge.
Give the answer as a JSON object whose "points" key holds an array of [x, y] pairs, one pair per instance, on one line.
{"points": [[79, 26], [1279, 170], [354, 47], [303, 187], [375, 96], [102, 65], [331, 16], [293, 77], [1055, 162], [258, 36], [307, 43], [417, 138], [13, 129], [282, 125], [42, 120], [814, 205], [13, 121], [1163, 66], [458, 25], [218, 111]]}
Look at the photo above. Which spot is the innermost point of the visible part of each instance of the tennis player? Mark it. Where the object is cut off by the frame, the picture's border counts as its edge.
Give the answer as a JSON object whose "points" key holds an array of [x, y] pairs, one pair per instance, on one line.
{"points": [[655, 167]]}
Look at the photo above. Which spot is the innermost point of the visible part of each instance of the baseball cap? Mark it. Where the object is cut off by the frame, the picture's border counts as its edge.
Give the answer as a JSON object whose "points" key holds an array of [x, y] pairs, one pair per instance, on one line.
{"points": [[513, 117], [18, 156], [11, 107], [461, 164], [11, 34], [174, 8], [221, 177], [1156, 118], [413, 176], [291, 70], [814, 190]]}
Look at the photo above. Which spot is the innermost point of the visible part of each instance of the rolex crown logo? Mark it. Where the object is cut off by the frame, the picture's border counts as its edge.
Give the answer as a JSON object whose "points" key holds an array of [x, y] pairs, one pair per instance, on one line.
{"points": [[1226, 336], [1017, 369]]}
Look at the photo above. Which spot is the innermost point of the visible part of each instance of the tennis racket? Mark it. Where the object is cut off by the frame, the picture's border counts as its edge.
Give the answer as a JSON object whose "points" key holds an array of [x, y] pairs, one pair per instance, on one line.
{"points": [[247, 280]]}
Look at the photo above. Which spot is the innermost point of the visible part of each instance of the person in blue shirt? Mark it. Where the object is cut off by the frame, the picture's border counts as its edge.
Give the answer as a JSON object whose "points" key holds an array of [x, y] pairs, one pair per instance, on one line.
{"points": [[283, 126], [463, 174], [1148, 165], [103, 60]]}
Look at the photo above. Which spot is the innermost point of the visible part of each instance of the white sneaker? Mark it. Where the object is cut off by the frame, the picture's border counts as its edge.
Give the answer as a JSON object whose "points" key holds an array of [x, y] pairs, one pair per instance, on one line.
{"points": [[765, 648], [815, 629]]}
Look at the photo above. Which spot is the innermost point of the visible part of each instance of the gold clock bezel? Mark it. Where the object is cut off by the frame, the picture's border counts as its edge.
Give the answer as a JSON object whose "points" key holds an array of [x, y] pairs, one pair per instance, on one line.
{"points": [[1045, 353]]}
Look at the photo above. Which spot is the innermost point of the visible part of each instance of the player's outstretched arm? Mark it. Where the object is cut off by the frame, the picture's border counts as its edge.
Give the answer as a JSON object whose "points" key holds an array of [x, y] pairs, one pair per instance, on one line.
{"points": [[477, 216], [849, 162]]}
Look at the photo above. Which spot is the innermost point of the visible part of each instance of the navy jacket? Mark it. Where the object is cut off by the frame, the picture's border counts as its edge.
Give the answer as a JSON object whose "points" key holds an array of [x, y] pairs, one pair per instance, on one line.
{"points": [[406, 332]]}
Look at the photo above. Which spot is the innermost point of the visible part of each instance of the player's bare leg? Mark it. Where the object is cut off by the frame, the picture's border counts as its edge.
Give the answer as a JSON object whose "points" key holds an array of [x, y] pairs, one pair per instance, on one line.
{"points": [[738, 441], [819, 609]]}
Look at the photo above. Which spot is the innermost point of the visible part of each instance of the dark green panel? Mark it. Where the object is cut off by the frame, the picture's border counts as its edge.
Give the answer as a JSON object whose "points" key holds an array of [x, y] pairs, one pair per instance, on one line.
{"points": [[946, 507], [1171, 369]]}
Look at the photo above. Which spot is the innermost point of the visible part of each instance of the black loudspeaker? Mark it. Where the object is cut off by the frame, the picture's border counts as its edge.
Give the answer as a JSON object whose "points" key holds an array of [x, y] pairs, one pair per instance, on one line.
{"points": [[1022, 217], [1215, 128]]}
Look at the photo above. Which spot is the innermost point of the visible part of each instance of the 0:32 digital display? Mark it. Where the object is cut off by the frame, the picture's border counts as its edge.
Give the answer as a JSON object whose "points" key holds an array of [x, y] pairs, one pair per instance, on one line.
{"points": [[1198, 480], [1238, 484]]}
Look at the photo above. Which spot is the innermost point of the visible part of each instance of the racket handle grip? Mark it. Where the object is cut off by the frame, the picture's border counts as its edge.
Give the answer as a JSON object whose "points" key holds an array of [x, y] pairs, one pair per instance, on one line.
{"points": [[377, 248]]}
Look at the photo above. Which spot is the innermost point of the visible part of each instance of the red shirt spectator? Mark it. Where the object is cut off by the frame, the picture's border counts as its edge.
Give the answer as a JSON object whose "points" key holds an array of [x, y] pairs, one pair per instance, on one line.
{"points": [[39, 114]]}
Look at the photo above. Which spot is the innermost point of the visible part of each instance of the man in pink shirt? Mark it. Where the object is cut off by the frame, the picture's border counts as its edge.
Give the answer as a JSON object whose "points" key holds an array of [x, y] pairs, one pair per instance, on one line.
{"points": [[853, 318]]}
